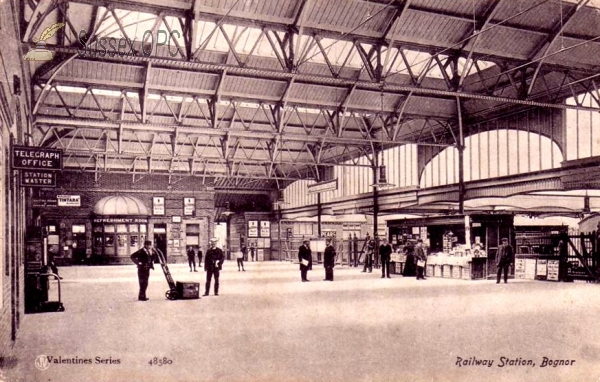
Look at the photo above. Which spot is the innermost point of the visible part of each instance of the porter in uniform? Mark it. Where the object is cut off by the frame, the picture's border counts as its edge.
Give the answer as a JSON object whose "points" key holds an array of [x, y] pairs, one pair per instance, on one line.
{"points": [[144, 259]]}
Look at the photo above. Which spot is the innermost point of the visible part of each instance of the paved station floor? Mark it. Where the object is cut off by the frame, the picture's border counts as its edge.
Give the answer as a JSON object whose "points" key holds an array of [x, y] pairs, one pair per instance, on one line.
{"points": [[266, 325]]}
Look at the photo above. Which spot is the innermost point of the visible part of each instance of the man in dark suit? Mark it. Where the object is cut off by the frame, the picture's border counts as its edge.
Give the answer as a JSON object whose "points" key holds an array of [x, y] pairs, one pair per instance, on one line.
{"points": [[305, 259], [504, 259], [144, 259], [385, 252], [191, 258], [329, 260], [213, 262]]}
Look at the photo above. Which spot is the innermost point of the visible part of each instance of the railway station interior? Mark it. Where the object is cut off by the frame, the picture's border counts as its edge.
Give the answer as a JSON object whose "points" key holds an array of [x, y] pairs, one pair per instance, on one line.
{"points": [[267, 127]]}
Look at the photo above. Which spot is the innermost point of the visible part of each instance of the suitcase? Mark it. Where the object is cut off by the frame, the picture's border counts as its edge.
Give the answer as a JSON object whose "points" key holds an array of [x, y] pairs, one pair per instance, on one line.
{"points": [[187, 290]]}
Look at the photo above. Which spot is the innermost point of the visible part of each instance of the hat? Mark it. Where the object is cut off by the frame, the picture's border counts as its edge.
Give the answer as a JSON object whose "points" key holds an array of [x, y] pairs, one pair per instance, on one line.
{"points": [[214, 239], [305, 240], [147, 242], [504, 239]]}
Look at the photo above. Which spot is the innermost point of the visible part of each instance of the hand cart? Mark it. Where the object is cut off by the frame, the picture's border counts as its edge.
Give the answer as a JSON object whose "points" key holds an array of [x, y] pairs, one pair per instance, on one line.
{"points": [[38, 286], [177, 290]]}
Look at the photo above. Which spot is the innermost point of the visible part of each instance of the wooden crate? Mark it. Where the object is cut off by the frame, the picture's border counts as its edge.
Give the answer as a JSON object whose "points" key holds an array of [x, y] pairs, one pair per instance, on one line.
{"points": [[456, 272], [430, 270], [437, 271], [447, 271], [465, 272]]}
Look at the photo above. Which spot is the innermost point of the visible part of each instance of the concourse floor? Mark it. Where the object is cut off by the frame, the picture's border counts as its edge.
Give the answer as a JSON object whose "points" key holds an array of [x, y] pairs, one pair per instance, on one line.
{"points": [[266, 325]]}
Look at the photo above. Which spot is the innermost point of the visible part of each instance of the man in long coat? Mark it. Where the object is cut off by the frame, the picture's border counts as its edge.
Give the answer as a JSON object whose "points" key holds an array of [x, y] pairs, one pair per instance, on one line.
{"points": [[329, 261], [504, 259], [305, 259]]}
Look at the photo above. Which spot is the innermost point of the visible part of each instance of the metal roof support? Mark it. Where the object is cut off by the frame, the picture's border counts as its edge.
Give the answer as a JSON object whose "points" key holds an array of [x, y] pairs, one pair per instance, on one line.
{"points": [[461, 163], [144, 92], [544, 47], [476, 33], [195, 130]]}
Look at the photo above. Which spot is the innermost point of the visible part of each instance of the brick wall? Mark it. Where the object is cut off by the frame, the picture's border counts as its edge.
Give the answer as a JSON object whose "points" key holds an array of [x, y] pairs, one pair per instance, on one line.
{"points": [[13, 122], [143, 188]]}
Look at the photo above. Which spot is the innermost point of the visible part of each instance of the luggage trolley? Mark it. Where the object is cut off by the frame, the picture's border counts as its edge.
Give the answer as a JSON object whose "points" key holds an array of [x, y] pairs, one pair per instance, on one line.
{"points": [[177, 290], [38, 285]]}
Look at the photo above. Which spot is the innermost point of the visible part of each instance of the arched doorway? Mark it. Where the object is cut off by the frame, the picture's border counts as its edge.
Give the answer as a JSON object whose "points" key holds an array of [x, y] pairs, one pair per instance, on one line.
{"points": [[120, 226]]}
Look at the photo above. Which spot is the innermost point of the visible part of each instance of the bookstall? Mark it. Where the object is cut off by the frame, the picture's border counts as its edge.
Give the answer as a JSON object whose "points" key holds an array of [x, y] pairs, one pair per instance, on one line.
{"points": [[539, 253], [458, 246]]}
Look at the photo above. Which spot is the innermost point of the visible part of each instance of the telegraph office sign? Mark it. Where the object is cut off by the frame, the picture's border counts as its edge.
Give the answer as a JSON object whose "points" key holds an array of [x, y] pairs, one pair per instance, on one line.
{"points": [[36, 158]]}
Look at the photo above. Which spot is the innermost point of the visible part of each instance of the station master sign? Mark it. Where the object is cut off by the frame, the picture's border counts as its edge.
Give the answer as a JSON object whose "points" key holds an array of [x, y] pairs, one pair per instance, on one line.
{"points": [[37, 165]]}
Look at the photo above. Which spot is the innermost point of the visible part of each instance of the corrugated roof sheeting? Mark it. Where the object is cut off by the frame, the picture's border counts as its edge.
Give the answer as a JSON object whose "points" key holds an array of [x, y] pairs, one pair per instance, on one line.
{"points": [[278, 8], [545, 15], [265, 89], [324, 95], [431, 106], [588, 54], [103, 71], [364, 99], [423, 28], [351, 16], [501, 41], [183, 79], [466, 7], [585, 23], [262, 62]]}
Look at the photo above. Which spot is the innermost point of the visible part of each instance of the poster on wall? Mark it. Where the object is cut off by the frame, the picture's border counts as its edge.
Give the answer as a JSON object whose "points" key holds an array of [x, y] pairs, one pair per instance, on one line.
{"points": [[520, 268], [265, 228], [553, 266], [542, 266], [189, 205], [530, 269], [158, 205], [253, 228]]}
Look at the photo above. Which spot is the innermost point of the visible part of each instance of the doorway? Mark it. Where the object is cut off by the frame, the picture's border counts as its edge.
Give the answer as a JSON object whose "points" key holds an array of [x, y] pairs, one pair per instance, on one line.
{"points": [[160, 238], [79, 244]]}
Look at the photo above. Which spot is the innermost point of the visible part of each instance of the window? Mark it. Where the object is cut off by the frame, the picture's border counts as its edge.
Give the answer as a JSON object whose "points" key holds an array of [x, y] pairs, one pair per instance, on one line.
{"points": [[192, 234], [78, 228]]}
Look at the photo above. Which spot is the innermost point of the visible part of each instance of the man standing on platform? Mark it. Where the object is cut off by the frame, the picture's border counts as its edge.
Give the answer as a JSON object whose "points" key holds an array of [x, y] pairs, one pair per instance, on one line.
{"points": [[385, 251], [213, 262], [421, 258], [144, 259], [504, 259], [329, 260], [191, 258], [368, 249], [355, 249], [199, 256], [305, 259]]}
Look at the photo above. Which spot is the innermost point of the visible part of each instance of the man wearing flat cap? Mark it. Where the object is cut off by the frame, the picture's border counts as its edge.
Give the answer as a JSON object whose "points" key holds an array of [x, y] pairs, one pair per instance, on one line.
{"points": [[144, 259], [504, 259], [213, 262], [305, 259]]}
